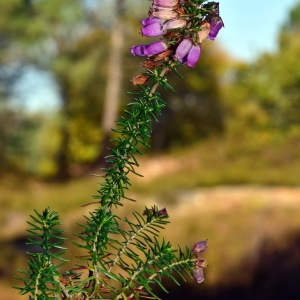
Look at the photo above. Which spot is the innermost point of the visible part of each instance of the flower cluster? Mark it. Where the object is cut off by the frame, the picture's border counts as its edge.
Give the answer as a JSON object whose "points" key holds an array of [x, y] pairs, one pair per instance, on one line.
{"points": [[182, 25], [200, 262]]}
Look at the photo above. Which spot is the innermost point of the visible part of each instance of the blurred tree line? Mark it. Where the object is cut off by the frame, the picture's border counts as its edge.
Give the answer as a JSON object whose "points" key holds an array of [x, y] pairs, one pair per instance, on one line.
{"points": [[73, 41], [264, 95]]}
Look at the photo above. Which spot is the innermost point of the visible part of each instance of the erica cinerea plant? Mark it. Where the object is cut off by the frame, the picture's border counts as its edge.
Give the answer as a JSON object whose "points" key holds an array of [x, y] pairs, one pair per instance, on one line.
{"points": [[119, 263]]}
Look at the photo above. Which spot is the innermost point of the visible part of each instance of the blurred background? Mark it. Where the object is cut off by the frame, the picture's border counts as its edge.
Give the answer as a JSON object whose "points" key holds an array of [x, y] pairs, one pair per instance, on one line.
{"points": [[225, 156]]}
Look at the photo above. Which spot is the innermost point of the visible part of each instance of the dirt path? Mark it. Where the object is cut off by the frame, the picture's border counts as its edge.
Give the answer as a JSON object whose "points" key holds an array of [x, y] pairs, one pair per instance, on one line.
{"points": [[226, 197]]}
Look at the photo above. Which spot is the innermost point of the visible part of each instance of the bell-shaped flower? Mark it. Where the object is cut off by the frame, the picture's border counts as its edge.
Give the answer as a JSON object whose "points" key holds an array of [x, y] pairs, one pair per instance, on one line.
{"points": [[162, 212], [188, 53], [198, 275], [156, 47], [216, 24], [152, 27], [199, 248], [138, 50], [150, 20], [148, 50], [183, 49], [200, 263], [193, 55]]}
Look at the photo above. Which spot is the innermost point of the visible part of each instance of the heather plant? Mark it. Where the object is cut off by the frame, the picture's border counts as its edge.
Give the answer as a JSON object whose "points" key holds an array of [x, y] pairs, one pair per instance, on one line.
{"points": [[127, 258]]}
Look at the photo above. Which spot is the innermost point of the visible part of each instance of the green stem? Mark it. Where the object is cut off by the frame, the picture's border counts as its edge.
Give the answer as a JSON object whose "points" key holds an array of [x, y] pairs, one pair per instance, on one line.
{"points": [[136, 273], [128, 242], [177, 263], [155, 86], [133, 130]]}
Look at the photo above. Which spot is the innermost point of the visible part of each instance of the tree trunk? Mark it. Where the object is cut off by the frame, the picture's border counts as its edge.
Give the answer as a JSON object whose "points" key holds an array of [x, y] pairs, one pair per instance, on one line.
{"points": [[62, 159], [114, 79]]}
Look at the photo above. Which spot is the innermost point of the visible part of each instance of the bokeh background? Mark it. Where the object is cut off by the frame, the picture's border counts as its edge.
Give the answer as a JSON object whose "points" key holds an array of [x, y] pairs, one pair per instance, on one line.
{"points": [[225, 156]]}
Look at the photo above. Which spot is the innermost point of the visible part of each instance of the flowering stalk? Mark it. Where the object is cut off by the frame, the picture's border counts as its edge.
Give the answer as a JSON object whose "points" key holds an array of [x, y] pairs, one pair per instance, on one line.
{"points": [[183, 26], [126, 267]]}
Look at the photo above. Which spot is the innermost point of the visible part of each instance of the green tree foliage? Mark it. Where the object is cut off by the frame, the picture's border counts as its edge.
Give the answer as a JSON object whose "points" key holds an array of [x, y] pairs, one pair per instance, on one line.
{"points": [[292, 24], [70, 39], [264, 95], [36, 33], [289, 47], [16, 135], [196, 108]]}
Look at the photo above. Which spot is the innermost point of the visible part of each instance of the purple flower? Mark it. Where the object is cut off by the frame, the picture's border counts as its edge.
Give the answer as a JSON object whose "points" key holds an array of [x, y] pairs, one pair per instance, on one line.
{"points": [[198, 275], [200, 263], [183, 49], [150, 20], [193, 56], [199, 248], [216, 9], [138, 50], [156, 47], [154, 212], [167, 15], [147, 50], [216, 24], [162, 212], [188, 53], [153, 29]]}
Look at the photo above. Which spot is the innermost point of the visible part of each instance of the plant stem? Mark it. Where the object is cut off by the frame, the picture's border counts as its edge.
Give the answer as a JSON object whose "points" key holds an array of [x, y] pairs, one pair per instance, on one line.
{"points": [[155, 86]]}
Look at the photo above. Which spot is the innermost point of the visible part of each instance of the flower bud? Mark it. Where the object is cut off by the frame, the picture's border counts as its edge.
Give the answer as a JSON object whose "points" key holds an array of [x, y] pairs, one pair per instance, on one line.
{"points": [[198, 275], [183, 49], [216, 24], [154, 29], [199, 248], [162, 212], [200, 263], [193, 56]]}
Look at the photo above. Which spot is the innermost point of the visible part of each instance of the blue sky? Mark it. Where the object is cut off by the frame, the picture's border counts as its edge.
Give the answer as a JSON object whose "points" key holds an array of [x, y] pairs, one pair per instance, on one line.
{"points": [[251, 27]]}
